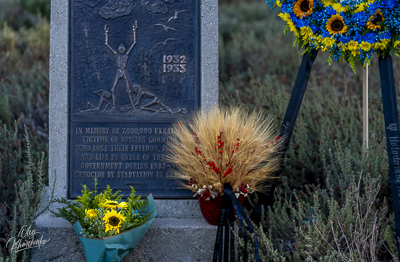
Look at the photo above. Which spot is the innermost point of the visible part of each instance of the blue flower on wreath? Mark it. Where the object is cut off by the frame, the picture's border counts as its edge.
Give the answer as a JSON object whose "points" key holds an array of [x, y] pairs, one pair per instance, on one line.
{"points": [[385, 35], [345, 39], [329, 11], [287, 8], [370, 38], [298, 22], [389, 4], [360, 18]]}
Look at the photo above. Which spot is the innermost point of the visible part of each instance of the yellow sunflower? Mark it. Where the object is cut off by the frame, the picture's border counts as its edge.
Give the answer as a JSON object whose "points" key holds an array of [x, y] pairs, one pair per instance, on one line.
{"points": [[113, 220], [373, 20], [109, 204], [90, 213], [336, 25], [303, 8]]}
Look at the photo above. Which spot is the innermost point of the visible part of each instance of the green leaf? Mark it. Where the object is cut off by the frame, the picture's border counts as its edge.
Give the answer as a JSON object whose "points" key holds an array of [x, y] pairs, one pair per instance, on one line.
{"points": [[364, 31]]}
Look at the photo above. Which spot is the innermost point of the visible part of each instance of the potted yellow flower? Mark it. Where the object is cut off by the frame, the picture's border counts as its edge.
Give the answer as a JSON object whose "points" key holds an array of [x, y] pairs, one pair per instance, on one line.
{"points": [[108, 227]]}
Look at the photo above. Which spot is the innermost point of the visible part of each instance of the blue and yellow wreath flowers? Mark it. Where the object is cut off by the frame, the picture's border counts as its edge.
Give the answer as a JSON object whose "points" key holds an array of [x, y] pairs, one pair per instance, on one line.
{"points": [[349, 30]]}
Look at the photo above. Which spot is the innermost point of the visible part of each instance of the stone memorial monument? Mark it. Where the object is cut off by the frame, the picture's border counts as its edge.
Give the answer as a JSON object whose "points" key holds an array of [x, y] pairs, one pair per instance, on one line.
{"points": [[121, 73], [134, 70]]}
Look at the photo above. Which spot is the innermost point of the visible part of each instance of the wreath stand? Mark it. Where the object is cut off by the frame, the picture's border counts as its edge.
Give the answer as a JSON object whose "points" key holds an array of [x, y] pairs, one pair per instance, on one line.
{"points": [[224, 245], [390, 114], [225, 242]]}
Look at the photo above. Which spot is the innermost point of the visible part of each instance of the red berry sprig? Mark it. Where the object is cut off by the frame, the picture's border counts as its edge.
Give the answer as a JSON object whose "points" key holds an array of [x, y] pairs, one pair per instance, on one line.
{"points": [[214, 167], [192, 181], [230, 169], [243, 189], [206, 194]]}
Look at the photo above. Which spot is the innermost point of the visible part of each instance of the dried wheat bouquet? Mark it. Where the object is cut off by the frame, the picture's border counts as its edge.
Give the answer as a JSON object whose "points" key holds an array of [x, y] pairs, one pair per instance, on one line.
{"points": [[225, 146]]}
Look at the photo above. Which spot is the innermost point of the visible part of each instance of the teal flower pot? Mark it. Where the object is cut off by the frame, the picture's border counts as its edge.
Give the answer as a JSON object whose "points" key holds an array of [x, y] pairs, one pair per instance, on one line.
{"points": [[115, 248]]}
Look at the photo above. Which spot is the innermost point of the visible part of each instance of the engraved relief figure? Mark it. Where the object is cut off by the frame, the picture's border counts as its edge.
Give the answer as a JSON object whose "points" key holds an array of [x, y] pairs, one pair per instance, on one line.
{"points": [[104, 95], [143, 93], [121, 58]]}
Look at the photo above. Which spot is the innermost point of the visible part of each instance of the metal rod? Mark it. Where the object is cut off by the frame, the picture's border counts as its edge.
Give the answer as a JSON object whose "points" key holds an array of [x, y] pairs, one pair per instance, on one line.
{"points": [[365, 106]]}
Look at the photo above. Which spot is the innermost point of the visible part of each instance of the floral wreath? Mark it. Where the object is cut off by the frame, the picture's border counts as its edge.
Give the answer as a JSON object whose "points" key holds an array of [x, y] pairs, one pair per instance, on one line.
{"points": [[350, 30]]}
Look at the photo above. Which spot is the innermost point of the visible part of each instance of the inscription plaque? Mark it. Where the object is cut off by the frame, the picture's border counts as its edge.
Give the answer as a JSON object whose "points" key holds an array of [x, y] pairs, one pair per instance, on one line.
{"points": [[134, 70]]}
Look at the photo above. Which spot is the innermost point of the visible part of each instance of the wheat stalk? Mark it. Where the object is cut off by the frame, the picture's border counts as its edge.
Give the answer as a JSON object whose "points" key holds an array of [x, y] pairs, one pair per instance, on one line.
{"points": [[225, 146]]}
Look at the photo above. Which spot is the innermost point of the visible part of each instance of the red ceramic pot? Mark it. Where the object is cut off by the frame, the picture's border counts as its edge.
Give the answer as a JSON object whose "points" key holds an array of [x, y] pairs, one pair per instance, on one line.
{"points": [[211, 209]]}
